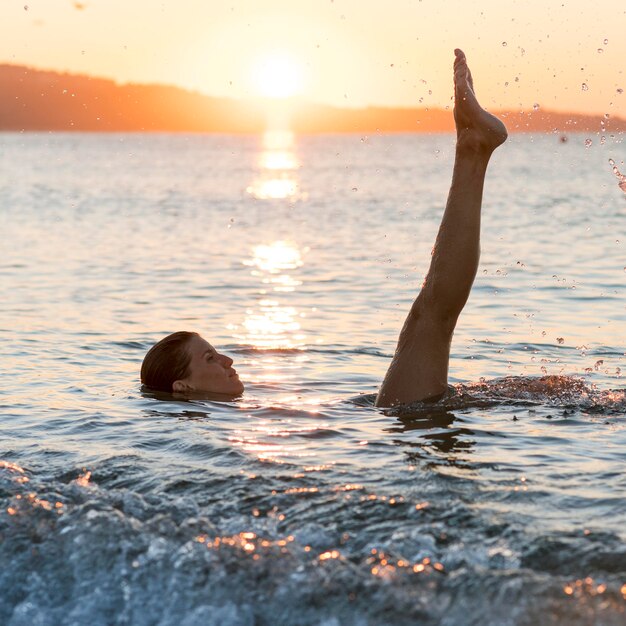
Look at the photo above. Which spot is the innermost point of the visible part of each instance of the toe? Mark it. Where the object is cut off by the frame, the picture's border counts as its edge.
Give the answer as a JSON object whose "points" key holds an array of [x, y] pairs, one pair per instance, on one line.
{"points": [[470, 80], [461, 75]]}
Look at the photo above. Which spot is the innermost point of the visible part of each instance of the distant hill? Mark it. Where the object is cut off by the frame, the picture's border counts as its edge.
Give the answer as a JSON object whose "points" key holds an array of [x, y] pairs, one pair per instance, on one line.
{"points": [[32, 100]]}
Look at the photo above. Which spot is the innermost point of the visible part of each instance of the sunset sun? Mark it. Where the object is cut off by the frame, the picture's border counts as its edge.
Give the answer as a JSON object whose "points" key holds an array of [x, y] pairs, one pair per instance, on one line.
{"points": [[278, 76]]}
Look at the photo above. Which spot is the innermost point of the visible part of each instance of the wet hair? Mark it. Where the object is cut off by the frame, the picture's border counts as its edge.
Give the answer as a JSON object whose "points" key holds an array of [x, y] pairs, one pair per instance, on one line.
{"points": [[167, 361]]}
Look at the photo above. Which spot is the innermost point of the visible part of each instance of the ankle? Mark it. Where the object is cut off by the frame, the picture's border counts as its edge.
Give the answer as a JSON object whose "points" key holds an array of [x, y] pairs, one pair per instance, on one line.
{"points": [[473, 152], [474, 144]]}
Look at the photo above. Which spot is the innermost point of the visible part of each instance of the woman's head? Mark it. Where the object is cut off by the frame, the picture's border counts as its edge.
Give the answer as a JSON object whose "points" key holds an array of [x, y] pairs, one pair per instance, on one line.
{"points": [[184, 361]]}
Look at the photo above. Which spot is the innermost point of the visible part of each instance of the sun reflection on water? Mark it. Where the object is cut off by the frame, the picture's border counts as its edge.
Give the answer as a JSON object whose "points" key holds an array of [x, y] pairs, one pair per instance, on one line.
{"points": [[271, 324], [273, 328], [277, 162], [276, 441], [276, 257]]}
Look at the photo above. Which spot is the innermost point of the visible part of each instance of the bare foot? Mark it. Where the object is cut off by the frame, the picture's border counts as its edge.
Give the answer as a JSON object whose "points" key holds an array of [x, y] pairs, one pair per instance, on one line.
{"points": [[476, 130]]}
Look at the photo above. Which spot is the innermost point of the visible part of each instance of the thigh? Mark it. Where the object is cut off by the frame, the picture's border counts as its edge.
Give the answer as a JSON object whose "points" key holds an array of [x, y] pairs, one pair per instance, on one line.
{"points": [[419, 368]]}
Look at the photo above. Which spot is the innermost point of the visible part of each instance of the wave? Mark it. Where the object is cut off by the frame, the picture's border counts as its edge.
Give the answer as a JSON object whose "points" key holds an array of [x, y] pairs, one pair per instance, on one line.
{"points": [[342, 350], [566, 392]]}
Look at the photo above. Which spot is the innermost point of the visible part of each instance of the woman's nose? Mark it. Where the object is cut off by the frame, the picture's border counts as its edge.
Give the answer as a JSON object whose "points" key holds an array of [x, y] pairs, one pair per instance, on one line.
{"points": [[226, 361]]}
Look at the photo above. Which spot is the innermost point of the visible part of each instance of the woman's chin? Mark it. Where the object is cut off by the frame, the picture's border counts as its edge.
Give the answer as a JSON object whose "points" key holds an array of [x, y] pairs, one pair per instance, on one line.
{"points": [[231, 388], [215, 396], [237, 386]]}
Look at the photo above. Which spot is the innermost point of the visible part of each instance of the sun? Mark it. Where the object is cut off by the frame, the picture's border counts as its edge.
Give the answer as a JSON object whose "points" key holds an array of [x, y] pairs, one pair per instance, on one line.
{"points": [[278, 76]]}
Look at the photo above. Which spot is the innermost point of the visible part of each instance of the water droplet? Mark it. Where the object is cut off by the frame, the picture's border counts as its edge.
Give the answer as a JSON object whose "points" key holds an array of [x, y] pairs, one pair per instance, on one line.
{"points": [[605, 41], [355, 188], [504, 44], [536, 106], [620, 90], [588, 143], [600, 50], [602, 140], [585, 87], [25, 7], [611, 162], [606, 116], [560, 340]]}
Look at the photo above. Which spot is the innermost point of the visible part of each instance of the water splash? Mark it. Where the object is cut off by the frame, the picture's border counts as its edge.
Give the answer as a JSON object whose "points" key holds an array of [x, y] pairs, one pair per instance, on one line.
{"points": [[620, 177], [550, 390]]}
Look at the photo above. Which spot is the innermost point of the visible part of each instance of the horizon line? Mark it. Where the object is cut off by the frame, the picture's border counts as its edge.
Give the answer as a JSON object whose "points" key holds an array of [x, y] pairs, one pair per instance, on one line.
{"points": [[295, 99]]}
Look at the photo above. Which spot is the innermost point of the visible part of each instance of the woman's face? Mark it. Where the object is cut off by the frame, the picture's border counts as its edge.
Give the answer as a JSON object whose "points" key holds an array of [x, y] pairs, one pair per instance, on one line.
{"points": [[209, 371]]}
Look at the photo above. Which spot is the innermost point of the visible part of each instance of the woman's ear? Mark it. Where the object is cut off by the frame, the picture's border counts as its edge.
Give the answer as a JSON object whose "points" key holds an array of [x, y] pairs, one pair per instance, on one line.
{"points": [[181, 385]]}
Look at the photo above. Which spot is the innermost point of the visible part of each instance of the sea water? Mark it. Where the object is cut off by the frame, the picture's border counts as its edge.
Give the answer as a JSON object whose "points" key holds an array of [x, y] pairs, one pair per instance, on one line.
{"points": [[302, 503]]}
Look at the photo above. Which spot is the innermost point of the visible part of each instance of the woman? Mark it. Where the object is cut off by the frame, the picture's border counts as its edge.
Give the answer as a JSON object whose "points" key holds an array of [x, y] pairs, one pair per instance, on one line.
{"points": [[184, 362]]}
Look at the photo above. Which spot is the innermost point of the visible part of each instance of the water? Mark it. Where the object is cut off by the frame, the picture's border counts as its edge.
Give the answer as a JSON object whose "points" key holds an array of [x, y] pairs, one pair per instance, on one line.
{"points": [[301, 503]]}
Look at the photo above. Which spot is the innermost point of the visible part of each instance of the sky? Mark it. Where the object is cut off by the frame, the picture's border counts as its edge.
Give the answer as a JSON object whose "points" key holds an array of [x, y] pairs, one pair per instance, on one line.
{"points": [[565, 55]]}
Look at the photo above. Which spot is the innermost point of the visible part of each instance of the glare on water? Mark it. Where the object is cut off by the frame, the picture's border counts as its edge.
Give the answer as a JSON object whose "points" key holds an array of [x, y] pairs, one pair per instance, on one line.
{"points": [[273, 322], [277, 162]]}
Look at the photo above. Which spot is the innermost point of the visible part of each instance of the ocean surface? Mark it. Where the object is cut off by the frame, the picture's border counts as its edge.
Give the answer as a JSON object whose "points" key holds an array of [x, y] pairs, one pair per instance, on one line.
{"points": [[302, 503]]}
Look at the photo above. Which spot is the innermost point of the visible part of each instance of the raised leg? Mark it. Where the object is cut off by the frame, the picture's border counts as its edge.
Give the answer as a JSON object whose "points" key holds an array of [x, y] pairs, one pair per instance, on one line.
{"points": [[419, 369]]}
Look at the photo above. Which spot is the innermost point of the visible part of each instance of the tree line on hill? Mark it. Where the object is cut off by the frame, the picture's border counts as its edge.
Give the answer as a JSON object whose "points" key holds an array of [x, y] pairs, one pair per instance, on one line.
{"points": [[38, 100]]}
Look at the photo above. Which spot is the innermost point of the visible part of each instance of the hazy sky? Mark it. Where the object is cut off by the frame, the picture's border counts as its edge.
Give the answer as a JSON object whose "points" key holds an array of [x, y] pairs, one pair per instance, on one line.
{"points": [[560, 54]]}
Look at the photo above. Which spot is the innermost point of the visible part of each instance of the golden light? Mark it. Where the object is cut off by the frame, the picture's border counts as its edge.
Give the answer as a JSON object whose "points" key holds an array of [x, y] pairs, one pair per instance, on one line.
{"points": [[273, 326], [276, 257], [277, 162], [274, 189], [278, 151], [273, 442], [270, 323], [278, 140], [278, 76]]}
